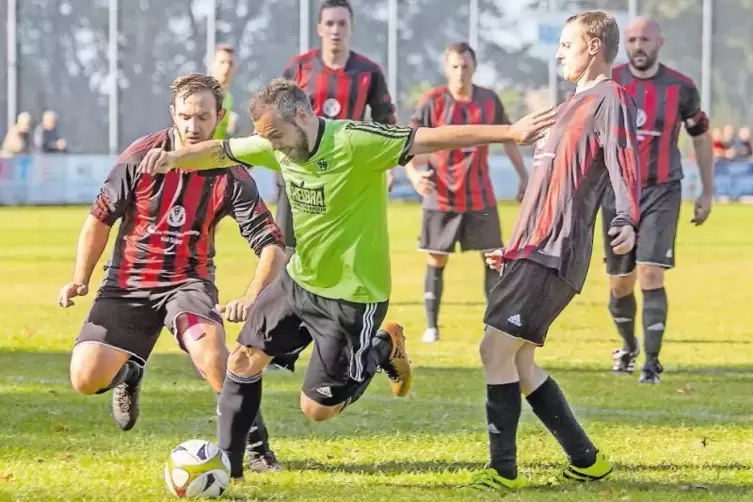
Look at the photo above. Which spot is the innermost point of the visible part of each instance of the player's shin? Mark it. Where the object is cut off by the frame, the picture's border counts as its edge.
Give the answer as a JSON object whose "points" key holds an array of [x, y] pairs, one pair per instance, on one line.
{"points": [[654, 322], [551, 407], [433, 286], [623, 311], [239, 405], [503, 401]]}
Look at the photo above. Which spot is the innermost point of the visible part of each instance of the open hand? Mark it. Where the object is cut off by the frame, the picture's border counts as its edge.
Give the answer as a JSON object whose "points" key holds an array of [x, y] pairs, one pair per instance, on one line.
{"points": [[422, 182], [533, 126]]}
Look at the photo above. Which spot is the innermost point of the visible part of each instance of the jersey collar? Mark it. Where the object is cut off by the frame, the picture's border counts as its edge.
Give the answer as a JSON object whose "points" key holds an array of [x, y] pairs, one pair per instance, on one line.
{"points": [[319, 135]]}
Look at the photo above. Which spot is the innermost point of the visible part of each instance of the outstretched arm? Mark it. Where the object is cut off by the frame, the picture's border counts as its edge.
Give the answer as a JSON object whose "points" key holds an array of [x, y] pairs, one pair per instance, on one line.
{"points": [[525, 131], [213, 154]]}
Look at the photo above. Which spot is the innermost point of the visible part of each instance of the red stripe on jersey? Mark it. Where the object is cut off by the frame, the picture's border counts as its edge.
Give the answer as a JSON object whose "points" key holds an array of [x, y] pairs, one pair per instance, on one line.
{"points": [[476, 177], [320, 90], [150, 276], [214, 206], [191, 200], [362, 92], [303, 74], [458, 164], [671, 107], [141, 220], [649, 108], [142, 145], [562, 170], [343, 86], [627, 159]]}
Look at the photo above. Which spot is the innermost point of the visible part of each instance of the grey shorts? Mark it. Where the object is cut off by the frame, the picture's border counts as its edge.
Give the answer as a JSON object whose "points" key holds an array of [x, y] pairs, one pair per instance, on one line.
{"points": [[657, 230]]}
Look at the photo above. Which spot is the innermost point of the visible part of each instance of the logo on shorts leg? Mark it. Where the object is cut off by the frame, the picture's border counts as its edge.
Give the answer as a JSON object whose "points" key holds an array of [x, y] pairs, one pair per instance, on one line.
{"points": [[515, 320], [324, 391]]}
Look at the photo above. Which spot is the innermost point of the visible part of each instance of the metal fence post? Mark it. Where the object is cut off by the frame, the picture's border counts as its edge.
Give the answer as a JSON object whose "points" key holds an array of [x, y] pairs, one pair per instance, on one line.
{"points": [[304, 25], [706, 51], [112, 58], [211, 34], [12, 70], [392, 38], [473, 17]]}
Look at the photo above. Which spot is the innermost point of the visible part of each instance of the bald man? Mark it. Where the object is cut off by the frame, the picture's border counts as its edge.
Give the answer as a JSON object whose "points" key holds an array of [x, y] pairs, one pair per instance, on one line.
{"points": [[666, 100]]}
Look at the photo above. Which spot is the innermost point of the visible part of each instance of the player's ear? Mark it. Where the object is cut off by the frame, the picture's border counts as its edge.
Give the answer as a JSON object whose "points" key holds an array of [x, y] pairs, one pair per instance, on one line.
{"points": [[594, 46], [172, 112]]}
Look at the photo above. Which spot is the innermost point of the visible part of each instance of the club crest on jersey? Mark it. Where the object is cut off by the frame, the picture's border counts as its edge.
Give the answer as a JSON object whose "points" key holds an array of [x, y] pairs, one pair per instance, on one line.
{"points": [[541, 142], [308, 200], [177, 216], [640, 119], [331, 108], [322, 165]]}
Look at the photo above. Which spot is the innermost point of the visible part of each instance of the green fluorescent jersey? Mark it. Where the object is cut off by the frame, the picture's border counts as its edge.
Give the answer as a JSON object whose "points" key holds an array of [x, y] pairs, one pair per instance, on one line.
{"points": [[339, 201], [227, 104]]}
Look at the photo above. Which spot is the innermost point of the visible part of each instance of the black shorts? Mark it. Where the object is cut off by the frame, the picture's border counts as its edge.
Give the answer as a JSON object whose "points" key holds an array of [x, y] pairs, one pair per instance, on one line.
{"points": [[476, 230], [284, 217], [286, 318], [526, 300], [132, 320], [657, 230]]}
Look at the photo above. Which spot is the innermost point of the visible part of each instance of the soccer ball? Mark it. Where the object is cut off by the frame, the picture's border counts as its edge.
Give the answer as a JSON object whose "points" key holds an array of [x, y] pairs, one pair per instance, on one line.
{"points": [[197, 468]]}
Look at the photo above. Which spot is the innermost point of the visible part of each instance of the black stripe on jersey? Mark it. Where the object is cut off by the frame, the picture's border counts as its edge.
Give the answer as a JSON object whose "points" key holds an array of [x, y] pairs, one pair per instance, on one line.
{"points": [[391, 133], [201, 214], [229, 153], [155, 198]]}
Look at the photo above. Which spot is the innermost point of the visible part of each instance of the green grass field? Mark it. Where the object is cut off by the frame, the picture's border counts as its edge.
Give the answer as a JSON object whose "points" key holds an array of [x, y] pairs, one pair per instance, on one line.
{"points": [[690, 438]]}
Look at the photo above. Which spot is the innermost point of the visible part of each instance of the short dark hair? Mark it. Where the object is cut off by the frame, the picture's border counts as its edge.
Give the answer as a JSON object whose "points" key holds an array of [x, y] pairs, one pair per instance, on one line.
{"points": [[461, 48], [192, 83], [283, 95], [330, 4], [224, 48], [601, 25]]}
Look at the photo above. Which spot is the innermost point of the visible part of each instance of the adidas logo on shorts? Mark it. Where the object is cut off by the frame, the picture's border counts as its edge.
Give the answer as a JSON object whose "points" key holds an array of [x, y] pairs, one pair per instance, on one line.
{"points": [[515, 320], [324, 391]]}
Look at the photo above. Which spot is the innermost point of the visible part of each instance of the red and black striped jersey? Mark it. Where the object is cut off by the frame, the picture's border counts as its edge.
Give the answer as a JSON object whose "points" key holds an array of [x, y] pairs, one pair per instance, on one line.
{"points": [[592, 143], [343, 93], [665, 102], [166, 235], [461, 176]]}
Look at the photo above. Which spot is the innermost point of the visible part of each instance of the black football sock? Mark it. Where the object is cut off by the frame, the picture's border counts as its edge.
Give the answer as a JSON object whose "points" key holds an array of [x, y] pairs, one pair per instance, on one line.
{"points": [[239, 404], [378, 355], [432, 294], [258, 437], [130, 372], [623, 314], [550, 405], [654, 322], [503, 404], [491, 277]]}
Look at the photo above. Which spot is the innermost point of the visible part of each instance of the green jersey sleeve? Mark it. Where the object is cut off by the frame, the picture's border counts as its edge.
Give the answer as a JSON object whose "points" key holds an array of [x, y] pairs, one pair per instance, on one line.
{"points": [[251, 151], [379, 146]]}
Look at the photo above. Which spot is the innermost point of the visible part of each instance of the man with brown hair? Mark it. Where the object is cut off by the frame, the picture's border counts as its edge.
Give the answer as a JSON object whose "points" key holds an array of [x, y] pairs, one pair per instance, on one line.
{"points": [[591, 145], [223, 69], [162, 270], [459, 205]]}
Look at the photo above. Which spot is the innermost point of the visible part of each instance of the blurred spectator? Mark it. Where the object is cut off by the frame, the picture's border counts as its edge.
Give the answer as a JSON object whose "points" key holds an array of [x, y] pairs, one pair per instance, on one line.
{"points": [[729, 142], [46, 137], [718, 144], [17, 140], [745, 144]]}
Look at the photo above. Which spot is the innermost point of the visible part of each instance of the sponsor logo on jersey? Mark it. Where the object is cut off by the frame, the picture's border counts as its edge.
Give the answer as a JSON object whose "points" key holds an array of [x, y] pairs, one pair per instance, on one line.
{"points": [[308, 200], [177, 216]]}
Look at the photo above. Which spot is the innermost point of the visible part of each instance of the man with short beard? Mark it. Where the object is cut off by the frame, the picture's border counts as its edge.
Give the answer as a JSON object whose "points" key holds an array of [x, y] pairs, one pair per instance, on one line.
{"points": [[162, 269], [666, 100]]}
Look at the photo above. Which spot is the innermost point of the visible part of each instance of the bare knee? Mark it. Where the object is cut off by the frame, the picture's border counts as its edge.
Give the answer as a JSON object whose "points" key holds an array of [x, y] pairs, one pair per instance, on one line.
{"points": [[247, 361], [621, 286], [436, 260], [93, 366], [317, 412], [530, 374], [650, 277]]}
